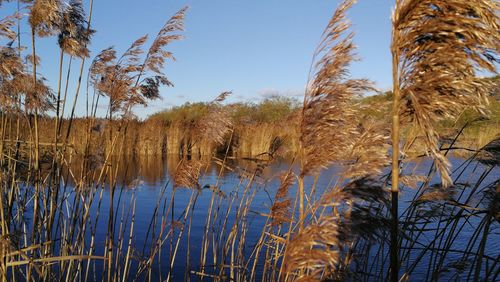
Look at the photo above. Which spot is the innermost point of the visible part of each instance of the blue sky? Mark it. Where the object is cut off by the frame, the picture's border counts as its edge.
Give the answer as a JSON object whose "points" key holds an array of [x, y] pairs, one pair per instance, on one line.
{"points": [[254, 48]]}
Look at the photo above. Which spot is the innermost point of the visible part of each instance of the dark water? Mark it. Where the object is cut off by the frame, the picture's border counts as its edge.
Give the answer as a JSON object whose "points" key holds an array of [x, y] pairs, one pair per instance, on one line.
{"points": [[146, 181]]}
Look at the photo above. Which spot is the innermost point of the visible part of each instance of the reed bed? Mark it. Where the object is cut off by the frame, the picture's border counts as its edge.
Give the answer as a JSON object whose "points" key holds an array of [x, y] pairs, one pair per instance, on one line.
{"points": [[68, 202]]}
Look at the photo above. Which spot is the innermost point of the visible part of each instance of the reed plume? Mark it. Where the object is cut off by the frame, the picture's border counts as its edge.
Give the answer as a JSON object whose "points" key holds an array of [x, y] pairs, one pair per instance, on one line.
{"points": [[74, 34], [491, 201], [490, 153], [313, 253], [328, 116], [37, 95], [114, 77], [351, 213], [281, 208], [187, 174], [216, 124], [439, 47], [17, 87], [45, 17], [367, 154], [11, 64], [364, 216], [212, 129], [6, 25], [157, 54], [11, 67], [331, 128], [120, 78]]}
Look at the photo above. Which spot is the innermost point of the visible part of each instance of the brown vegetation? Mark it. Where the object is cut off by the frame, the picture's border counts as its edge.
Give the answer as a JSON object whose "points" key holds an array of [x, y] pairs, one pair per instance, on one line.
{"points": [[56, 168]]}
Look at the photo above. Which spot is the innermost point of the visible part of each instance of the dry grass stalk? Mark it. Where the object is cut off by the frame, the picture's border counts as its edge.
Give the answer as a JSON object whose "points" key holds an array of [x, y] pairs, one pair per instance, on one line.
{"points": [[281, 208], [156, 56], [328, 116], [74, 34], [6, 25], [331, 127], [368, 154], [45, 16], [120, 78], [332, 130], [440, 47], [216, 124], [19, 84], [313, 252], [187, 174], [212, 128], [11, 71]]}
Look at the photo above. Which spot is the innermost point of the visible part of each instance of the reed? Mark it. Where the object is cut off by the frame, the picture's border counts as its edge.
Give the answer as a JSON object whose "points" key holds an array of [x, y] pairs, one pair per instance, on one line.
{"points": [[437, 48], [48, 18], [69, 185]]}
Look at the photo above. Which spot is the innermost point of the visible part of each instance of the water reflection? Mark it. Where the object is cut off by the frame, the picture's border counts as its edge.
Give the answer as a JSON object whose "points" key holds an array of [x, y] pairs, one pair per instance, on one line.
{"points": [[145, 177], [152, 170]]}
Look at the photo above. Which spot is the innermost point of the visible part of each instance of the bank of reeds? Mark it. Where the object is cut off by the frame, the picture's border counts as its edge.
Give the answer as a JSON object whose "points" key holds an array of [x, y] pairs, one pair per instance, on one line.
{"points": [[255, 131]]}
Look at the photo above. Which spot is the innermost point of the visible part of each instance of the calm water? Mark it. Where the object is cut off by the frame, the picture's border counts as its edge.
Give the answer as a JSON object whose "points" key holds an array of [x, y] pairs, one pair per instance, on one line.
{"points": [[147, 180]]}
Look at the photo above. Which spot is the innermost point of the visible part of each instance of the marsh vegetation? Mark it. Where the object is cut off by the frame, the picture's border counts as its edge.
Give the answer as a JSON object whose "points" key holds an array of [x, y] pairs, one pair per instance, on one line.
{"points": [[347, 184]]}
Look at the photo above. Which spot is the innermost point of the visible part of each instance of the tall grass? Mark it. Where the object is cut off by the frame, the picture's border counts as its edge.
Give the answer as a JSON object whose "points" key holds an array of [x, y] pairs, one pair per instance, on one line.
{"points": [[437, 49], [165, 133], [63, 178]]}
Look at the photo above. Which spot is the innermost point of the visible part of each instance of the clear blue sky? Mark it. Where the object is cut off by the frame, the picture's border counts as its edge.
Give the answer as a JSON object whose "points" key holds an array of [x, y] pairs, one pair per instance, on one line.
{"points": [[254, 48]]}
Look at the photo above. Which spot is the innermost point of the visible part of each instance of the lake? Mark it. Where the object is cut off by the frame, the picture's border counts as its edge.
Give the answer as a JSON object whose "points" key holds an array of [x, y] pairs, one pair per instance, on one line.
{"points": [[247, 191]]}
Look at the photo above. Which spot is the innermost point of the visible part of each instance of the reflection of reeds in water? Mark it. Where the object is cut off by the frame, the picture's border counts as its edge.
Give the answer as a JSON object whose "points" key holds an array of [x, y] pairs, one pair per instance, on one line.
{"points": [[150, 169]]}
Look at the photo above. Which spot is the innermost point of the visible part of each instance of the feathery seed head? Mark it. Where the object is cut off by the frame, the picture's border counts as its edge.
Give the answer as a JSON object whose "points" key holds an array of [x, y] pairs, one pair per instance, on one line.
{"points": [[440, 47]]}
